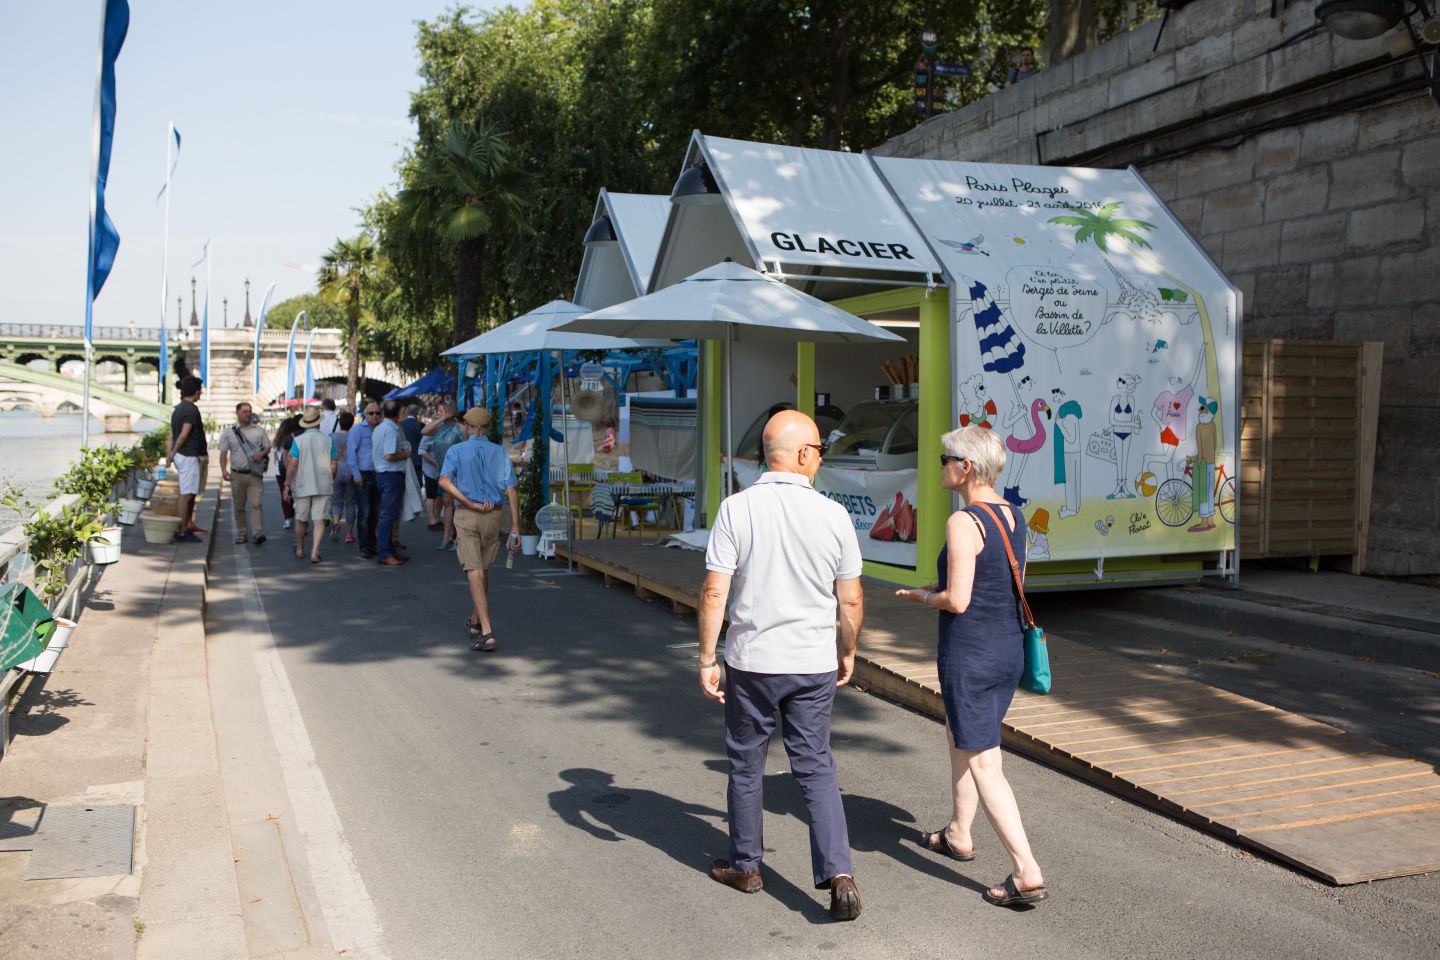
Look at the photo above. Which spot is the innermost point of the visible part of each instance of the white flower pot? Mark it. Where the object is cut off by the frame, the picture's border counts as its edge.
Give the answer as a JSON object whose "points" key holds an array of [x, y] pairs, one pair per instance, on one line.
{"points": [[529, 544], [144, 486], [107, 548], [60, 636], [130, 511], [159, 527]]}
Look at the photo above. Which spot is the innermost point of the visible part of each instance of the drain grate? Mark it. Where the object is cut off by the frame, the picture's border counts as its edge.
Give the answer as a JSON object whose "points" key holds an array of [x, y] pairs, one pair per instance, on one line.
{"points": [[83, 842]]}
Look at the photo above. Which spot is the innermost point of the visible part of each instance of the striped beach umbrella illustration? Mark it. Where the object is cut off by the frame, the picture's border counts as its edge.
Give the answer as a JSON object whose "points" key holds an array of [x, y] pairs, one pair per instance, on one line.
{"points": [[1001, 349]]}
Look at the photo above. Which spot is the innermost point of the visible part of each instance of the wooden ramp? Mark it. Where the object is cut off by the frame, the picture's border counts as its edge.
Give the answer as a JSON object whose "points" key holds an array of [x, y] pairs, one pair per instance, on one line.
{"points": [[1341, 807]]}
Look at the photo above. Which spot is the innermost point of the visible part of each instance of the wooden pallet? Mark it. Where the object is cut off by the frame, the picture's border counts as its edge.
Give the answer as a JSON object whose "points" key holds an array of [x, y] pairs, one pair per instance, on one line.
{"points": [[1343, 808]]}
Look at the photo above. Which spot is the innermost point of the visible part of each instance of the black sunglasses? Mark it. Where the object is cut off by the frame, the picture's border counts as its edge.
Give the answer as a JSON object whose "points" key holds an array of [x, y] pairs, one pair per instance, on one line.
{"points": [[372, 413], [822, 447], [946, 458]]}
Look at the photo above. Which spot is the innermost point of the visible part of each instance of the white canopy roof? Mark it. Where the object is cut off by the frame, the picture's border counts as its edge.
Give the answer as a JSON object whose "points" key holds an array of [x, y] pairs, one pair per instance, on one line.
{"points": [[795, 212], [614, 272], [535, 331], [753, 305]]}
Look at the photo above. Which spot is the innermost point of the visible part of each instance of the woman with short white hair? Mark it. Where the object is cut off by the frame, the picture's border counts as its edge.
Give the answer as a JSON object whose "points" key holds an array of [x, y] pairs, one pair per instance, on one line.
{"points": [[981, 655]]}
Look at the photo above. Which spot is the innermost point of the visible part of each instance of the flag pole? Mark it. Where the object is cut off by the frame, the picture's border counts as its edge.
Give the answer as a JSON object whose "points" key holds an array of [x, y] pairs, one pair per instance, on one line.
{"points": [[165, 253]]}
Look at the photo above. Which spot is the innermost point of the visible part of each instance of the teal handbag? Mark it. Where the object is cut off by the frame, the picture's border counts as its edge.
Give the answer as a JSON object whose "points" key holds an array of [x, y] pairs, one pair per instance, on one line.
{"points": [[1036, 675]]}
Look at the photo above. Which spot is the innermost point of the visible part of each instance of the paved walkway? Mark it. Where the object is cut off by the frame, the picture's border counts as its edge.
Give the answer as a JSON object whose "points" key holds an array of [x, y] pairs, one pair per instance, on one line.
{"points": [[1344, 808]]}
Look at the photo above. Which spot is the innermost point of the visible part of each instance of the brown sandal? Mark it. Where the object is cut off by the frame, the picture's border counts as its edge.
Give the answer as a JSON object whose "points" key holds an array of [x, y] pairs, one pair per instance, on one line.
{"points": [[936, 842]]}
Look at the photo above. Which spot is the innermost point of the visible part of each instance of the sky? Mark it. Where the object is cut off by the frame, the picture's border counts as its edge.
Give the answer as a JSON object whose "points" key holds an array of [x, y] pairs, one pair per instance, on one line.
{"points": [[292, 114]]}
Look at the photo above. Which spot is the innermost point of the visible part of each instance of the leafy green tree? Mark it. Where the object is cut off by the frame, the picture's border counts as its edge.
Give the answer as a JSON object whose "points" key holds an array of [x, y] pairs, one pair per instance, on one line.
{"points": [[346, 271], [466, 186], [320, 313]]}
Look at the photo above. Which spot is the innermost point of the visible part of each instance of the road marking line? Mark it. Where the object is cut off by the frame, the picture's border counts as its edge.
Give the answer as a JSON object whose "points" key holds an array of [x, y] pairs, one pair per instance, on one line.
{"points": [[349, 912]]}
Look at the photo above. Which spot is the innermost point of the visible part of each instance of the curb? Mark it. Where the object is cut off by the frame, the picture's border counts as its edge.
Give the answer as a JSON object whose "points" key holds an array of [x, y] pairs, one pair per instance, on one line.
{"points": [[1389, 639]]}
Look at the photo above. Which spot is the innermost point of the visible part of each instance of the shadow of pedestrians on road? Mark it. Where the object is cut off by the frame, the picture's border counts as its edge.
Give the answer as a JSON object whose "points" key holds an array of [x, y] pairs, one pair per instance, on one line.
{"points": [[675, 828], [876, 826]]}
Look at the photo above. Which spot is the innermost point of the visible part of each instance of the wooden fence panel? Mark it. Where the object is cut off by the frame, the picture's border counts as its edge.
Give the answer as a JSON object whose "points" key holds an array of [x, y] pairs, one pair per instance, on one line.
{"points": [[1309, 412]]}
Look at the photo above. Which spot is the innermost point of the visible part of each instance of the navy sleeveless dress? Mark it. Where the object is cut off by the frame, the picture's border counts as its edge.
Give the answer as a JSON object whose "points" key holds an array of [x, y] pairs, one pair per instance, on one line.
{"points": [[981, 652]]}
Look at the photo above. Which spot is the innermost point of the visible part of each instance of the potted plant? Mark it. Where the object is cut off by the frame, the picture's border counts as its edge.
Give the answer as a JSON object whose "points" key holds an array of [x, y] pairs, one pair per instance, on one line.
{"points": [[54, 543]]}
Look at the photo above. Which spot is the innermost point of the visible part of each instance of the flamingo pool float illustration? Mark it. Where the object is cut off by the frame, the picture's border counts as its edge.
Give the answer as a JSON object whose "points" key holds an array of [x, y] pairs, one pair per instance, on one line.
{"points": [[1023, 449]]}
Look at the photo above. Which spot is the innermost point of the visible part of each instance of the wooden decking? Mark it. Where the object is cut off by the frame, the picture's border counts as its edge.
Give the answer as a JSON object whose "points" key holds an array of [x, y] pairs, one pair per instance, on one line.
{"points": [[1341, 807]]}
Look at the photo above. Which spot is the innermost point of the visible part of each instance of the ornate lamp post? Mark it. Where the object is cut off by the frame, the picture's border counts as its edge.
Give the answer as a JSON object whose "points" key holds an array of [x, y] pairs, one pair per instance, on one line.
{"points": [[225, 310], [248, 321], [179, 314], [194, 317]]}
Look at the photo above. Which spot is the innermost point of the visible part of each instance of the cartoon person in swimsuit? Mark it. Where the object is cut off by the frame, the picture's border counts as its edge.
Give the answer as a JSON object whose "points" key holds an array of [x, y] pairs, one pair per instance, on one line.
{"points": [[1170, 410], [1125, 422], [1068, 414], [976, 405], [1202, 466]]}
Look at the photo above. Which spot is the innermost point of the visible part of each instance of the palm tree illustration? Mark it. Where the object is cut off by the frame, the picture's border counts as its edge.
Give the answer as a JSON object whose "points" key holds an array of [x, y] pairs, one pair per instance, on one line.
{"points": [[1102, 227]]}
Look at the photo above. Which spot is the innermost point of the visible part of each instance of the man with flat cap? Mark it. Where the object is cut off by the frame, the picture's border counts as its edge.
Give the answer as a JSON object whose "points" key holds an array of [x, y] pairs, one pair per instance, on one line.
{"points": [[788, 561], [479, 476]]}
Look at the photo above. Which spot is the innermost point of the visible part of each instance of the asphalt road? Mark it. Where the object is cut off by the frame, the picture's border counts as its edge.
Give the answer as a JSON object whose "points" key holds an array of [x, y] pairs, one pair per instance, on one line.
{"points": [[563, 796]]}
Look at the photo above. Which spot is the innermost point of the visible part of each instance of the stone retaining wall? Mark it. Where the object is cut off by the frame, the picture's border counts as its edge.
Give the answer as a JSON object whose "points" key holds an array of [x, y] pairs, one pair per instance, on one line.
{"points": [[1308, 171]]}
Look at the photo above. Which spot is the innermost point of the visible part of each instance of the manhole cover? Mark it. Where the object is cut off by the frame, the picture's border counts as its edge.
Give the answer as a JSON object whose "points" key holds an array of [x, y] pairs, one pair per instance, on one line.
{"points": [[83, 842]]}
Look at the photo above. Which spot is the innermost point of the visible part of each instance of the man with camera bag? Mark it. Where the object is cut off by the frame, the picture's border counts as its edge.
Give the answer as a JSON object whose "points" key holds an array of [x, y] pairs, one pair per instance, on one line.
{"points": [[244, 452]]}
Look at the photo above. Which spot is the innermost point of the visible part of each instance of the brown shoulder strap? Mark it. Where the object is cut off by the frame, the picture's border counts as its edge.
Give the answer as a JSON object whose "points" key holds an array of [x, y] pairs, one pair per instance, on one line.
{"points": [[1014, 564]]}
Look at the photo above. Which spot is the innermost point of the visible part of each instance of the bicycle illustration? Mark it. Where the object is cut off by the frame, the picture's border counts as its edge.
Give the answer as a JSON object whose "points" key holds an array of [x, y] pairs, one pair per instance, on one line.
{"points": [[1174, 500]]}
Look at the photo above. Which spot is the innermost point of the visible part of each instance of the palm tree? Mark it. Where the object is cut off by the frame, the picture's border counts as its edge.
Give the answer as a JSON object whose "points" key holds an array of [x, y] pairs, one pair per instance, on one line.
{"points": [[467, 186], [1101, 226], [347, 269]]}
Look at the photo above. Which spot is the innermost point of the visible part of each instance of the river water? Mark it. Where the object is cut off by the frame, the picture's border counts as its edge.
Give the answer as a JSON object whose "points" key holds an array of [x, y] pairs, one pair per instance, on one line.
{"points": [[35, 450]]}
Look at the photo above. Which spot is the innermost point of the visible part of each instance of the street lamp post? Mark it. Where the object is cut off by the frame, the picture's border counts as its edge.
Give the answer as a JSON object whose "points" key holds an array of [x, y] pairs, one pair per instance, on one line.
{"points": [[225, 311], [194, 317], [179, 314], [248, 322]]}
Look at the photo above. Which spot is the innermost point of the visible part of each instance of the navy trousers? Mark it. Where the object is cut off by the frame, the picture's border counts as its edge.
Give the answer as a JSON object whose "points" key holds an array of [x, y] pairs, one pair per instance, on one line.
{"points": [[367, 511], [392, 495], [802, 703]]}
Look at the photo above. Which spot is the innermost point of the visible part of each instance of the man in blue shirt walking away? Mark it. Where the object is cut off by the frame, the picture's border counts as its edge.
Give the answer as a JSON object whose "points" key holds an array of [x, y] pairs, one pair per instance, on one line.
{"points": [[390, 452], [362, 474], [479, 476]]}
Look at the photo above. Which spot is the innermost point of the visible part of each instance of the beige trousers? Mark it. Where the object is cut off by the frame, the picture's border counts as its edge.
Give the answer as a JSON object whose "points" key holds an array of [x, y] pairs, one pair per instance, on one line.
{"points": [[245, 490]]}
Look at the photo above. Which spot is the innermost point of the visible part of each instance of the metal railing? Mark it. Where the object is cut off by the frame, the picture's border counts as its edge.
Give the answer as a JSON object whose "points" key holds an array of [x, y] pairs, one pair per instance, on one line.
{"points": [[52, 331]]}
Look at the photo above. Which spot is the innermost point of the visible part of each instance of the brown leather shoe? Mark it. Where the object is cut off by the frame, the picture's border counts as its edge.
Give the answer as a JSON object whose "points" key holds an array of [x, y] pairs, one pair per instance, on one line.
{"points": [[746, 881], [391, 562], [844, 899]]}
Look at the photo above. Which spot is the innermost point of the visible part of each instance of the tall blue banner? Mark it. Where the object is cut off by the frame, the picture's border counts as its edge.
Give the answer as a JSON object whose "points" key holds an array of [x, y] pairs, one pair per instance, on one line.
{"points": [[104, 239], [260, 330], [164, 360], [290, 357]]}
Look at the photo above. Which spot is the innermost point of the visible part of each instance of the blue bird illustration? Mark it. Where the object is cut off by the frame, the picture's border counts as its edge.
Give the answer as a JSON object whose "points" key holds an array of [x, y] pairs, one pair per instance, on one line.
{"points": [[971, 246]]}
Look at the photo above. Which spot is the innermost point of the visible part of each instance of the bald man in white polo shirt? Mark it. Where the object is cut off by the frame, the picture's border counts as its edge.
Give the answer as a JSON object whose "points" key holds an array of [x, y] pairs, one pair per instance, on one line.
{"points": [[788, 561]]}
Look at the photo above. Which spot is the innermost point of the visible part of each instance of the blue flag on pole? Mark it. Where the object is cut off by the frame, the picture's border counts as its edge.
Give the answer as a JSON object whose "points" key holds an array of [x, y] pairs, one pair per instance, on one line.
{"points": [[104, 239], [260, 329], [164, 360], [290, 357], [309, 370], [175, 160]]}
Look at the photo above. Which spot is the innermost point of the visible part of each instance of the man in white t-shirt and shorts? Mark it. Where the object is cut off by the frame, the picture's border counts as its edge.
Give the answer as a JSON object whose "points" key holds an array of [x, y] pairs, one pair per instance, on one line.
{"points": [[186, 454], [788, 561]]}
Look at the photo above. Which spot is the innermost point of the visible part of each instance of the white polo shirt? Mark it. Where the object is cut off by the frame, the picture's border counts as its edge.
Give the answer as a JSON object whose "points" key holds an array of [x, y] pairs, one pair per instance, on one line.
{"points": [[785, 544]]}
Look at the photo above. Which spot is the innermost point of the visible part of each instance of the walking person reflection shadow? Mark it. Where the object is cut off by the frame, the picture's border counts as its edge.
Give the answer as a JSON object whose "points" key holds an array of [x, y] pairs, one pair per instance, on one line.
{"points": [[676, 828]]}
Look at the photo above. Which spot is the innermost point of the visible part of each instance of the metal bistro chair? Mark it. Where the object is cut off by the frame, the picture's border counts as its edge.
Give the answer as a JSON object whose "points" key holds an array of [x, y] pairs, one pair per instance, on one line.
{"points": [[636, 505], [582, 480], [603, 509]]}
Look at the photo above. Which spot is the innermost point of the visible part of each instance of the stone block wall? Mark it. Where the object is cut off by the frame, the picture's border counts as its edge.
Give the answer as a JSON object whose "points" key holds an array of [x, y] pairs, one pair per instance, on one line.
{"points": [[1310, 171]]}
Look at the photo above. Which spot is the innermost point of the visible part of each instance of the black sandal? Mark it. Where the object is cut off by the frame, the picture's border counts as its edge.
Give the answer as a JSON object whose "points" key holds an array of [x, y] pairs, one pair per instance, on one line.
{"points": [[936, 842], [1015, 897], [485, 643]]}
